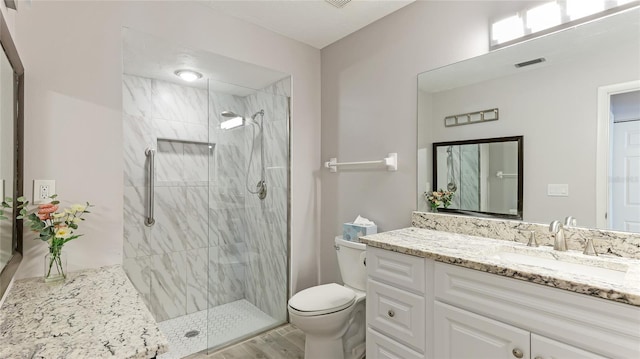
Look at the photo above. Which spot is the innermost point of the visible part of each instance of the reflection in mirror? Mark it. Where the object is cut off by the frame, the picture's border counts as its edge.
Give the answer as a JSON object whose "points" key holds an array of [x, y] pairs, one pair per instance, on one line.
{"points": [[557, 105], [485, 176], [6, 155], [11, 153]]}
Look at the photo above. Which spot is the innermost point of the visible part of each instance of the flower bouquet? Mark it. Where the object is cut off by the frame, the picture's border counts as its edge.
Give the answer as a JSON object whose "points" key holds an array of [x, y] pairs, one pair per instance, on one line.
{"points": [[54, 226], [439, 198]]}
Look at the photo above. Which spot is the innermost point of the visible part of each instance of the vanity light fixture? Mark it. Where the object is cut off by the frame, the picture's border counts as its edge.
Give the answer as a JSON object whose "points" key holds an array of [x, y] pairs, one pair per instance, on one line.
{"points": [[188, 75], [471, 117], [507, 29], [577, 9], [544, 16], [550, 17]]}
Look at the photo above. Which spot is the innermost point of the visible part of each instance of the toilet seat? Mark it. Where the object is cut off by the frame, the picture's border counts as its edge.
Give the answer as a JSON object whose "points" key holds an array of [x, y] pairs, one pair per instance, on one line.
{"points": [[322, 299]]}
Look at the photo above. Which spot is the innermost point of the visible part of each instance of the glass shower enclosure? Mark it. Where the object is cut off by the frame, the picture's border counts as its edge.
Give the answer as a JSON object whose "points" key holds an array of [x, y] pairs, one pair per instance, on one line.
{"points": [[206, 197]]}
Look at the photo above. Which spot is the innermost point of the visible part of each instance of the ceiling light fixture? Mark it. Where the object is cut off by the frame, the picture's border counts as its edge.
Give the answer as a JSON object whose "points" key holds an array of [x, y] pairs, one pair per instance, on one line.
{"points": [[188, 75]]}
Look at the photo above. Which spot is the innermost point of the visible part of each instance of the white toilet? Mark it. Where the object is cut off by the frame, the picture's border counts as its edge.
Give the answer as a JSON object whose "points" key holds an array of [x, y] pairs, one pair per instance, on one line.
{"points": [[332, 316]]}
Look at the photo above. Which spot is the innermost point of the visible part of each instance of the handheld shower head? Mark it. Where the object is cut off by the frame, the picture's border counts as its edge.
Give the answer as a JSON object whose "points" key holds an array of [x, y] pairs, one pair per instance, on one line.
{"points": [[261, 113]]}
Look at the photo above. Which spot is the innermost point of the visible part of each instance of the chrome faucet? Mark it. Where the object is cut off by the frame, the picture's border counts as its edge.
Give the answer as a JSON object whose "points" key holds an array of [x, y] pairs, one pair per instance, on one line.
{"points": [[559, 244], [570, 221]]}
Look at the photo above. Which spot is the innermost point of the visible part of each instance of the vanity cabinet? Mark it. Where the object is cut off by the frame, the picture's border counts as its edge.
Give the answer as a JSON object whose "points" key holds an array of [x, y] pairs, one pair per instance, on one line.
{"points": [[419, 308], [397, 309], [487, 338]]}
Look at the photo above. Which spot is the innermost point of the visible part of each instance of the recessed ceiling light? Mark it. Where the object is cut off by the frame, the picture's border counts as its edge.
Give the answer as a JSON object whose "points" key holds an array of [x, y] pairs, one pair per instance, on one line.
{"points": [[188, 75]]}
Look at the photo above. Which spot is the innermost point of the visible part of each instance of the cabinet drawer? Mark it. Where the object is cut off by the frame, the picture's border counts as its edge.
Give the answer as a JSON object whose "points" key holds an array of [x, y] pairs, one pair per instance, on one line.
{"points": [[396, 313], [382, 347], [401, 270]]}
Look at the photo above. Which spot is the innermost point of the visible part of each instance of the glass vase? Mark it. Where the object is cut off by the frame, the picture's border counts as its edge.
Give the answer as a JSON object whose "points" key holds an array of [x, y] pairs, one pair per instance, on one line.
{"points": [[55, 265]]}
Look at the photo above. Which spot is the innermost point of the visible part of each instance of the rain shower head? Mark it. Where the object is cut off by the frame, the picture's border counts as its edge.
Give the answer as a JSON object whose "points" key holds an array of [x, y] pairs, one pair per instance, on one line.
{"points": [[234, 120], [229, 114]]}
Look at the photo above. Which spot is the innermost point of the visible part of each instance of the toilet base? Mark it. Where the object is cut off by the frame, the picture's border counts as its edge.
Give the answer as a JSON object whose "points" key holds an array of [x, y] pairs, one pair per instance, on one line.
{"points": [[345, 342]]}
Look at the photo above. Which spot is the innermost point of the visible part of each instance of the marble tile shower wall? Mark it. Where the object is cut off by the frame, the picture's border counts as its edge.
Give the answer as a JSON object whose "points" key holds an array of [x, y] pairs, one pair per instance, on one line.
{"points": [[470, 181], [227, 221], [169, 262], [266, 279]]}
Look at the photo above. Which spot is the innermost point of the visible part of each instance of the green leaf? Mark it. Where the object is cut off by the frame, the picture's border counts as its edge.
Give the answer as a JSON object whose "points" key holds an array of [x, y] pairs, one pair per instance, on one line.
{"points": [[5, 205], [87, 212], [3, 217], [53, 196], [73, 226], [55, 202], [8, 199], [21, 199]]}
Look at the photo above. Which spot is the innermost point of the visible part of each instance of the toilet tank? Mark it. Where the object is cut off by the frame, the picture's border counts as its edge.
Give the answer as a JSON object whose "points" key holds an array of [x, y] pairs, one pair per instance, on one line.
{"points": [[351, 259]]}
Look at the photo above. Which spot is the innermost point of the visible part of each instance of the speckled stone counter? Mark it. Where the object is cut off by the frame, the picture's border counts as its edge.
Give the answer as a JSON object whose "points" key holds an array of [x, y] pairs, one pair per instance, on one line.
{"points": [[488, 255], [96, 313]]}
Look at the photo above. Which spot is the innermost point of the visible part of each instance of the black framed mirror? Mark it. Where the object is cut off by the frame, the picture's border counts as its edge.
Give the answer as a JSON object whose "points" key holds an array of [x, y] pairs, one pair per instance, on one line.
{"points": [[485, 176], [11, 153]]}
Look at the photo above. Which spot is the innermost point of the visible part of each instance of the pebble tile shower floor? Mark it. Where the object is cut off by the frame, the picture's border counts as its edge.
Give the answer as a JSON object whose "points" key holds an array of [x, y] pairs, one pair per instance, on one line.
{"points": [[227, 322]]}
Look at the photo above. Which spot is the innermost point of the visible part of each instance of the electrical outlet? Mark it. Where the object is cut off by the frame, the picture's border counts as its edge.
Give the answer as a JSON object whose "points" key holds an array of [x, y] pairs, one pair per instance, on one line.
{"points": [[42, 190]]}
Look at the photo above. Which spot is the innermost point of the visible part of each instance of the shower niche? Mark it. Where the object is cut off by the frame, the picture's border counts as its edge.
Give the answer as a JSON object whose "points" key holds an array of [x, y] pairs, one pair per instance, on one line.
{"points": [[213, 266]]}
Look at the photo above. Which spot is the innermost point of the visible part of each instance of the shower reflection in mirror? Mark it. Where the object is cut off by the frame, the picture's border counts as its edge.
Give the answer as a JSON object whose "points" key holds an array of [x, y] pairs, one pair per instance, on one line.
{"points": [[486, 175]]}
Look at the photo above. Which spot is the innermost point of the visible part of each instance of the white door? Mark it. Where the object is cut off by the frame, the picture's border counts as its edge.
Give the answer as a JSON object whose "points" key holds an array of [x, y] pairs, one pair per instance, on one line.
{"points": [[459, 334], [546, 348], [625, 181]]}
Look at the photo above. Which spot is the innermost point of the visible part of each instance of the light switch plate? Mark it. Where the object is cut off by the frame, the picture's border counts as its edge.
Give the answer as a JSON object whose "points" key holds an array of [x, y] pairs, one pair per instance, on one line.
{"points": [[42, 190], [558, 190]]}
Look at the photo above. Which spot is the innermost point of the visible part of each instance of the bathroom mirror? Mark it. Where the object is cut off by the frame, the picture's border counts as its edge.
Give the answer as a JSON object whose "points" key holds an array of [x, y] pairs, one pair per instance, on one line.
{"points": [[485, 175], [557, 104], [11, 139]]}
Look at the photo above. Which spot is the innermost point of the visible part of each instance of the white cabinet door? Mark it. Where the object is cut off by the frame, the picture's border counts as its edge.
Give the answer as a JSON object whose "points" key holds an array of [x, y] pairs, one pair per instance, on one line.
{"points": [[459, 334], [382, 347], [545, 348]]}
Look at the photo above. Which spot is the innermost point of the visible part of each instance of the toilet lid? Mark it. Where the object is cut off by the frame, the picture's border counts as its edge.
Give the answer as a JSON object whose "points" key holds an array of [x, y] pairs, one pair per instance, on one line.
{"points": [[325, 298]]}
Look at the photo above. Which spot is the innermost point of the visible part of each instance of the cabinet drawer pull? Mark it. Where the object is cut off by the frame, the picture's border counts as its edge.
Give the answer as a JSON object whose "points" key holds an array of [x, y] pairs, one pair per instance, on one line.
{"points": [[517, 353], [391, 313]]}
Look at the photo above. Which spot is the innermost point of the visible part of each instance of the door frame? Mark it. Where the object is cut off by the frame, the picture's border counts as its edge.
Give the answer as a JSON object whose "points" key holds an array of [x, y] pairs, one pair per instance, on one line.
{"points": [[603, 152]]}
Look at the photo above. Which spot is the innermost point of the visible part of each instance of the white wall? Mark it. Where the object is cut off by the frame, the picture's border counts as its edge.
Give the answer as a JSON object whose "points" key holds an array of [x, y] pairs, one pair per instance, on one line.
{"points": [[73, 124], [369, 106]]}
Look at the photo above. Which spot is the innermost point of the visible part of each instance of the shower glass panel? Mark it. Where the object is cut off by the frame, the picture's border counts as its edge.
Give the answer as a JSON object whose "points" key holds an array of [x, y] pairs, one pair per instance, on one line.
{"points": [[248, 235], [213, 266]]}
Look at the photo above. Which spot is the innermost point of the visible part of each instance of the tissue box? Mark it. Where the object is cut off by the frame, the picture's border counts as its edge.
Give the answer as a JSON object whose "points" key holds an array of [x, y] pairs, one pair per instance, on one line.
{"points": [[351, 232]]}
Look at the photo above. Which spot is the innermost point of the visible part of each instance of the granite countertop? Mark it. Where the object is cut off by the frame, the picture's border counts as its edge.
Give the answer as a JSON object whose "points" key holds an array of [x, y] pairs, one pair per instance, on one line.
{"points": [[507, 258], [95, 313]]}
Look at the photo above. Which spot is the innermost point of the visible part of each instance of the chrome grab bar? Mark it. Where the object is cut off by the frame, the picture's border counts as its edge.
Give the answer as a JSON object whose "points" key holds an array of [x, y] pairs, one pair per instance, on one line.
{"points": [[150, 153]]}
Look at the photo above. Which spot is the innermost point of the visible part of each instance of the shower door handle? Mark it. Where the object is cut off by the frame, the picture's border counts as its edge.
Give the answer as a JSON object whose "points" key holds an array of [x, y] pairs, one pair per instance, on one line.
{"points": [[151, 155]]}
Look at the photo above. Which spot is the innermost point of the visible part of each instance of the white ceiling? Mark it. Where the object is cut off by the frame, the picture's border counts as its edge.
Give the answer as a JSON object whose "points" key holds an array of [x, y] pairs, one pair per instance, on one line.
{"points": [[314, 22], [147, 56]]}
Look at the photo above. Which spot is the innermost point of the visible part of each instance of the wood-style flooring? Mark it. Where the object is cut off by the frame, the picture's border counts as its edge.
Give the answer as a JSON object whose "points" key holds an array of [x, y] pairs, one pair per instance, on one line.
{"points": [[285, 342]]}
